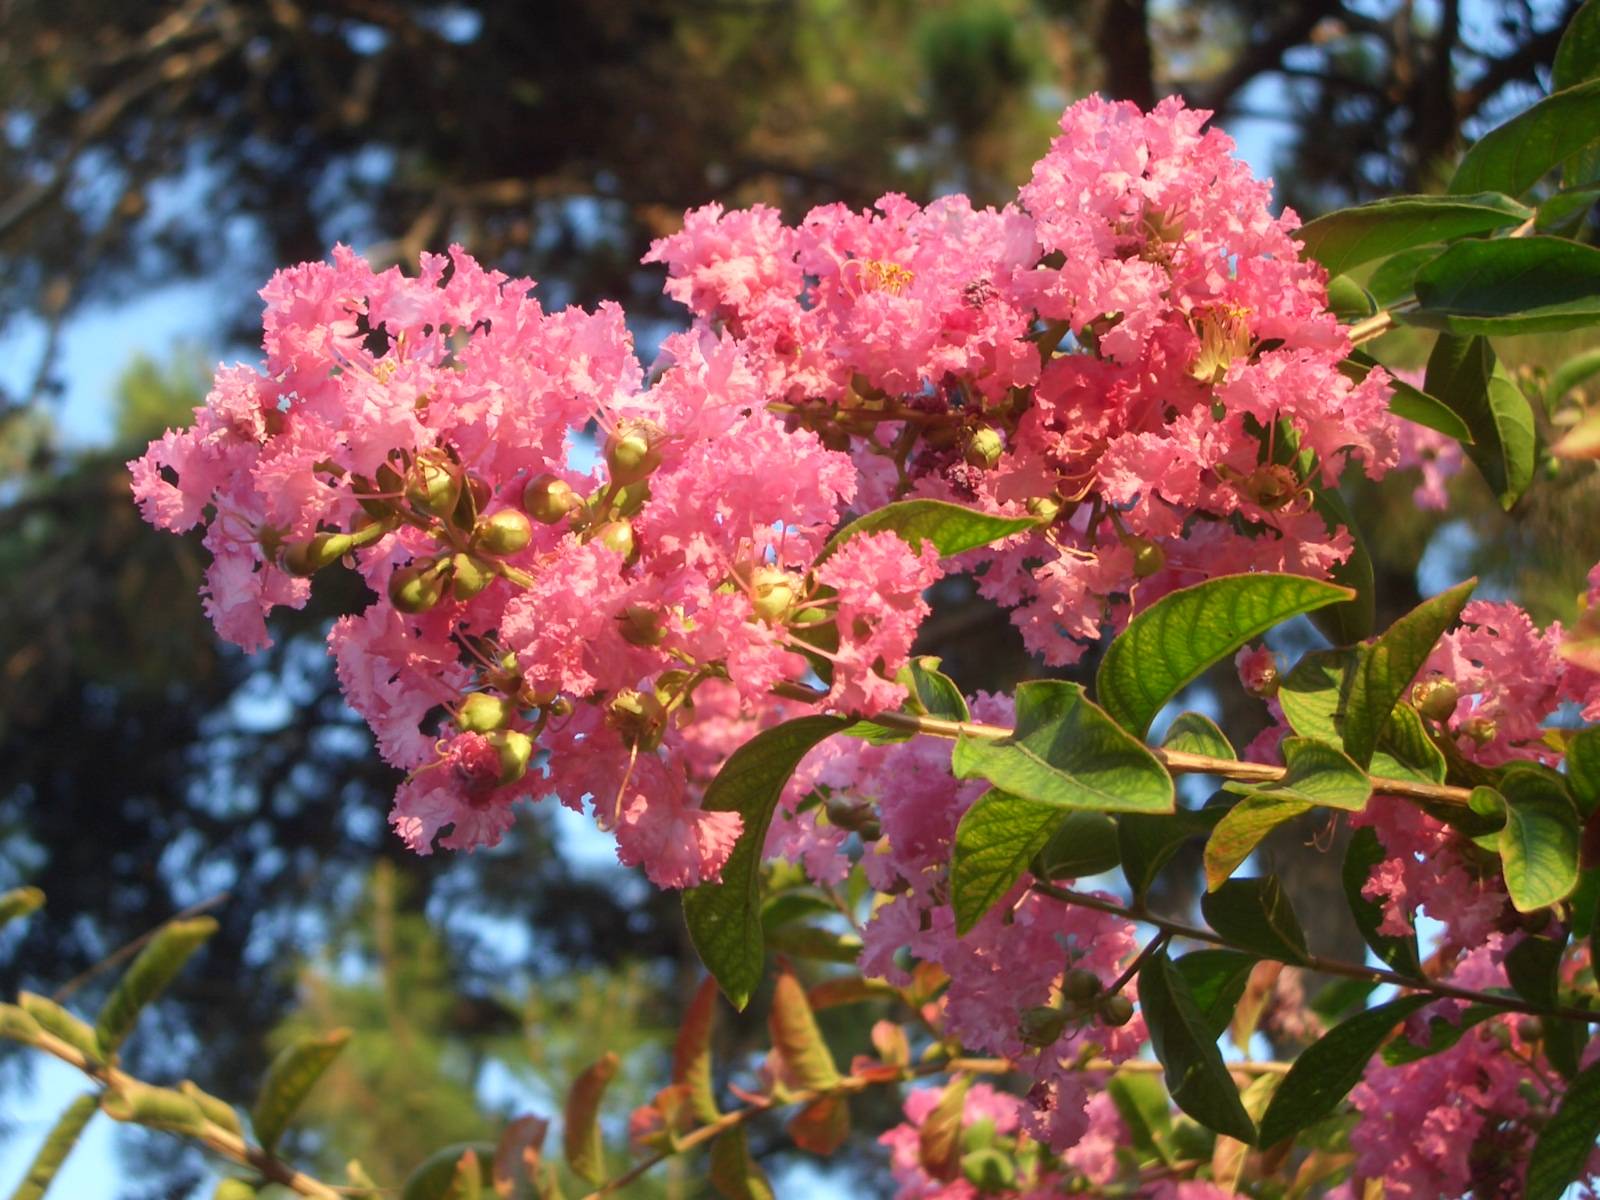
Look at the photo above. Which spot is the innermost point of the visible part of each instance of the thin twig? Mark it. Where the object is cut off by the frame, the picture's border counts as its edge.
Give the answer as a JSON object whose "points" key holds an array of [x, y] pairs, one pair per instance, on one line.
{"points": [[131, 948]]}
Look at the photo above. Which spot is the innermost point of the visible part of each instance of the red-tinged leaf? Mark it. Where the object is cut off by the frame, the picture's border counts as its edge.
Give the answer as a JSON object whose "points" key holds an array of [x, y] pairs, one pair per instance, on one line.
{"points": [[874, 1070], [581, 1138], [691, 1055], [939, 1143], [518, 1153], [1582, 440], [1247, 1013], [735, 1174], [821, 1126], [849, 989], [889, 1040], [797, 1038]]}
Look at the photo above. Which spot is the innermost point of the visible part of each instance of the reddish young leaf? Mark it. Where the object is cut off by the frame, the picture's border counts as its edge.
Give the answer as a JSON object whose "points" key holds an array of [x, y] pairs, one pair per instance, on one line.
{"points": [[821, 1126], [939, 1145], [691, 1056], [581, 1137], [796, 1037]]}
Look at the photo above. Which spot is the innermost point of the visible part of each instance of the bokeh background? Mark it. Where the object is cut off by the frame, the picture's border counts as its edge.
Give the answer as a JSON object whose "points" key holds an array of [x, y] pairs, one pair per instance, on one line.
{"points": [[158, 160]]}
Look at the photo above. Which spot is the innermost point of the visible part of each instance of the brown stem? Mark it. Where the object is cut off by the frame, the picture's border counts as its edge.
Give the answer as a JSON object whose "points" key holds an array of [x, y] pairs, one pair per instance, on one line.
{"points": [[223, 1141], [1315, 962]]}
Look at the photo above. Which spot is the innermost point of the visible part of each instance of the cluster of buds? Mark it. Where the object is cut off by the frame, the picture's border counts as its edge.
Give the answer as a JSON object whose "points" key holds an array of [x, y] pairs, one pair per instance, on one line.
{"points": [[1082, 998]]}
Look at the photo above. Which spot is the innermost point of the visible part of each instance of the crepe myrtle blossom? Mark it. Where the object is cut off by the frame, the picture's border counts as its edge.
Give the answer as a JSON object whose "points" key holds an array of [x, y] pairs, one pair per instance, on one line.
{"points": [[1132, 353]]}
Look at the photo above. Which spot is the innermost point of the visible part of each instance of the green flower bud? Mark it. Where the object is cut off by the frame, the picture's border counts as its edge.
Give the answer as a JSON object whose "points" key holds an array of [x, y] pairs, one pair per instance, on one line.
{"points": [[633, 451], [618, 536], [989, 1171], [434, 483], [639, 717], [984, 447], [483, 712], [307, 558], [1116, 1010], [549, 498], [773, 593], [516, 751], [1042, 1025], [1079, 986], [1148, 557], [506, 532], [468, 577], [1479, 729], [1435, 698], [850, 812], [416, 589], [1530, 1029], [641, 625], [1045, 508]]}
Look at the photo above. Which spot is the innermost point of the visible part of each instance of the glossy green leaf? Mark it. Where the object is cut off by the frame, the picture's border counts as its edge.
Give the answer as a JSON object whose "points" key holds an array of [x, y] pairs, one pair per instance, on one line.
{"points": [[1573, 373], [1216, 979], [724, 918], [1564, 212], [1147, 843], [1462, 372], [289, 1080], [1534, 967], [1516, 155], [1327, 1069], [1539, 842], [19, 902], [1196, 1076], [1510, 286], [1394, 279], [1405, 751], [1084, 843], [1065, 751], [1443, 1032], [1583, 769], [1562, 1150], [1242, 830], [951, 528], [1387, 668], [734, 1172], [581, 1142], [148, 976], [1255, 915], [1348, 237], [1312, 693], [1196, 733], [1420, 408], [996, 840], [1578, 55], [1142, 1104], [1317, 773], [1179, 636], [1348, 621], [1363, 854], [58, 1143]]}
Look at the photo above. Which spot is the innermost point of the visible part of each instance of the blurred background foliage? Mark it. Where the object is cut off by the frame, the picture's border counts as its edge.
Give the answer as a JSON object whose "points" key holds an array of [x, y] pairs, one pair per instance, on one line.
{"points": [[145, 768]]}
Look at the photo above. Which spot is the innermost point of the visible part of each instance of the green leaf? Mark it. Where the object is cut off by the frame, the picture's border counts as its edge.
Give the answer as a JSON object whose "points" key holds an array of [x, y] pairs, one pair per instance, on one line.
{"points": [[1583, 767], [1147, 843], [1327, 1069], [158, 1107], [148, 976], [813, 942], [1565, 211], [1562, 1150], [1317, 774], [1365, 852], [928, 693], [734, 1173], [1405, 751], [440, 1175], [1065, 751], [1084, 843], [691, 1052], [1312, 694], [215, 1109], [1420, 408], [1255, 915], [1509, 286], [1243, 828], [1573, 372], [1539, 842], [19, 902], [1443, 1032], [1516, 155], [1394, 279], [1196, 733], [289, 1080], [580, 1136], [1179, 636], [234, 1189], [996, 840], [796, 1037], [1197, 1078], [1348, 237], [1534, 967], [62, 1137], [1350, 620], [951, 528], [61, 1024], [1464, 374], [724, 918], [1578, 56], [1142, 1104], [1387, 668], [1216, 979]]}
